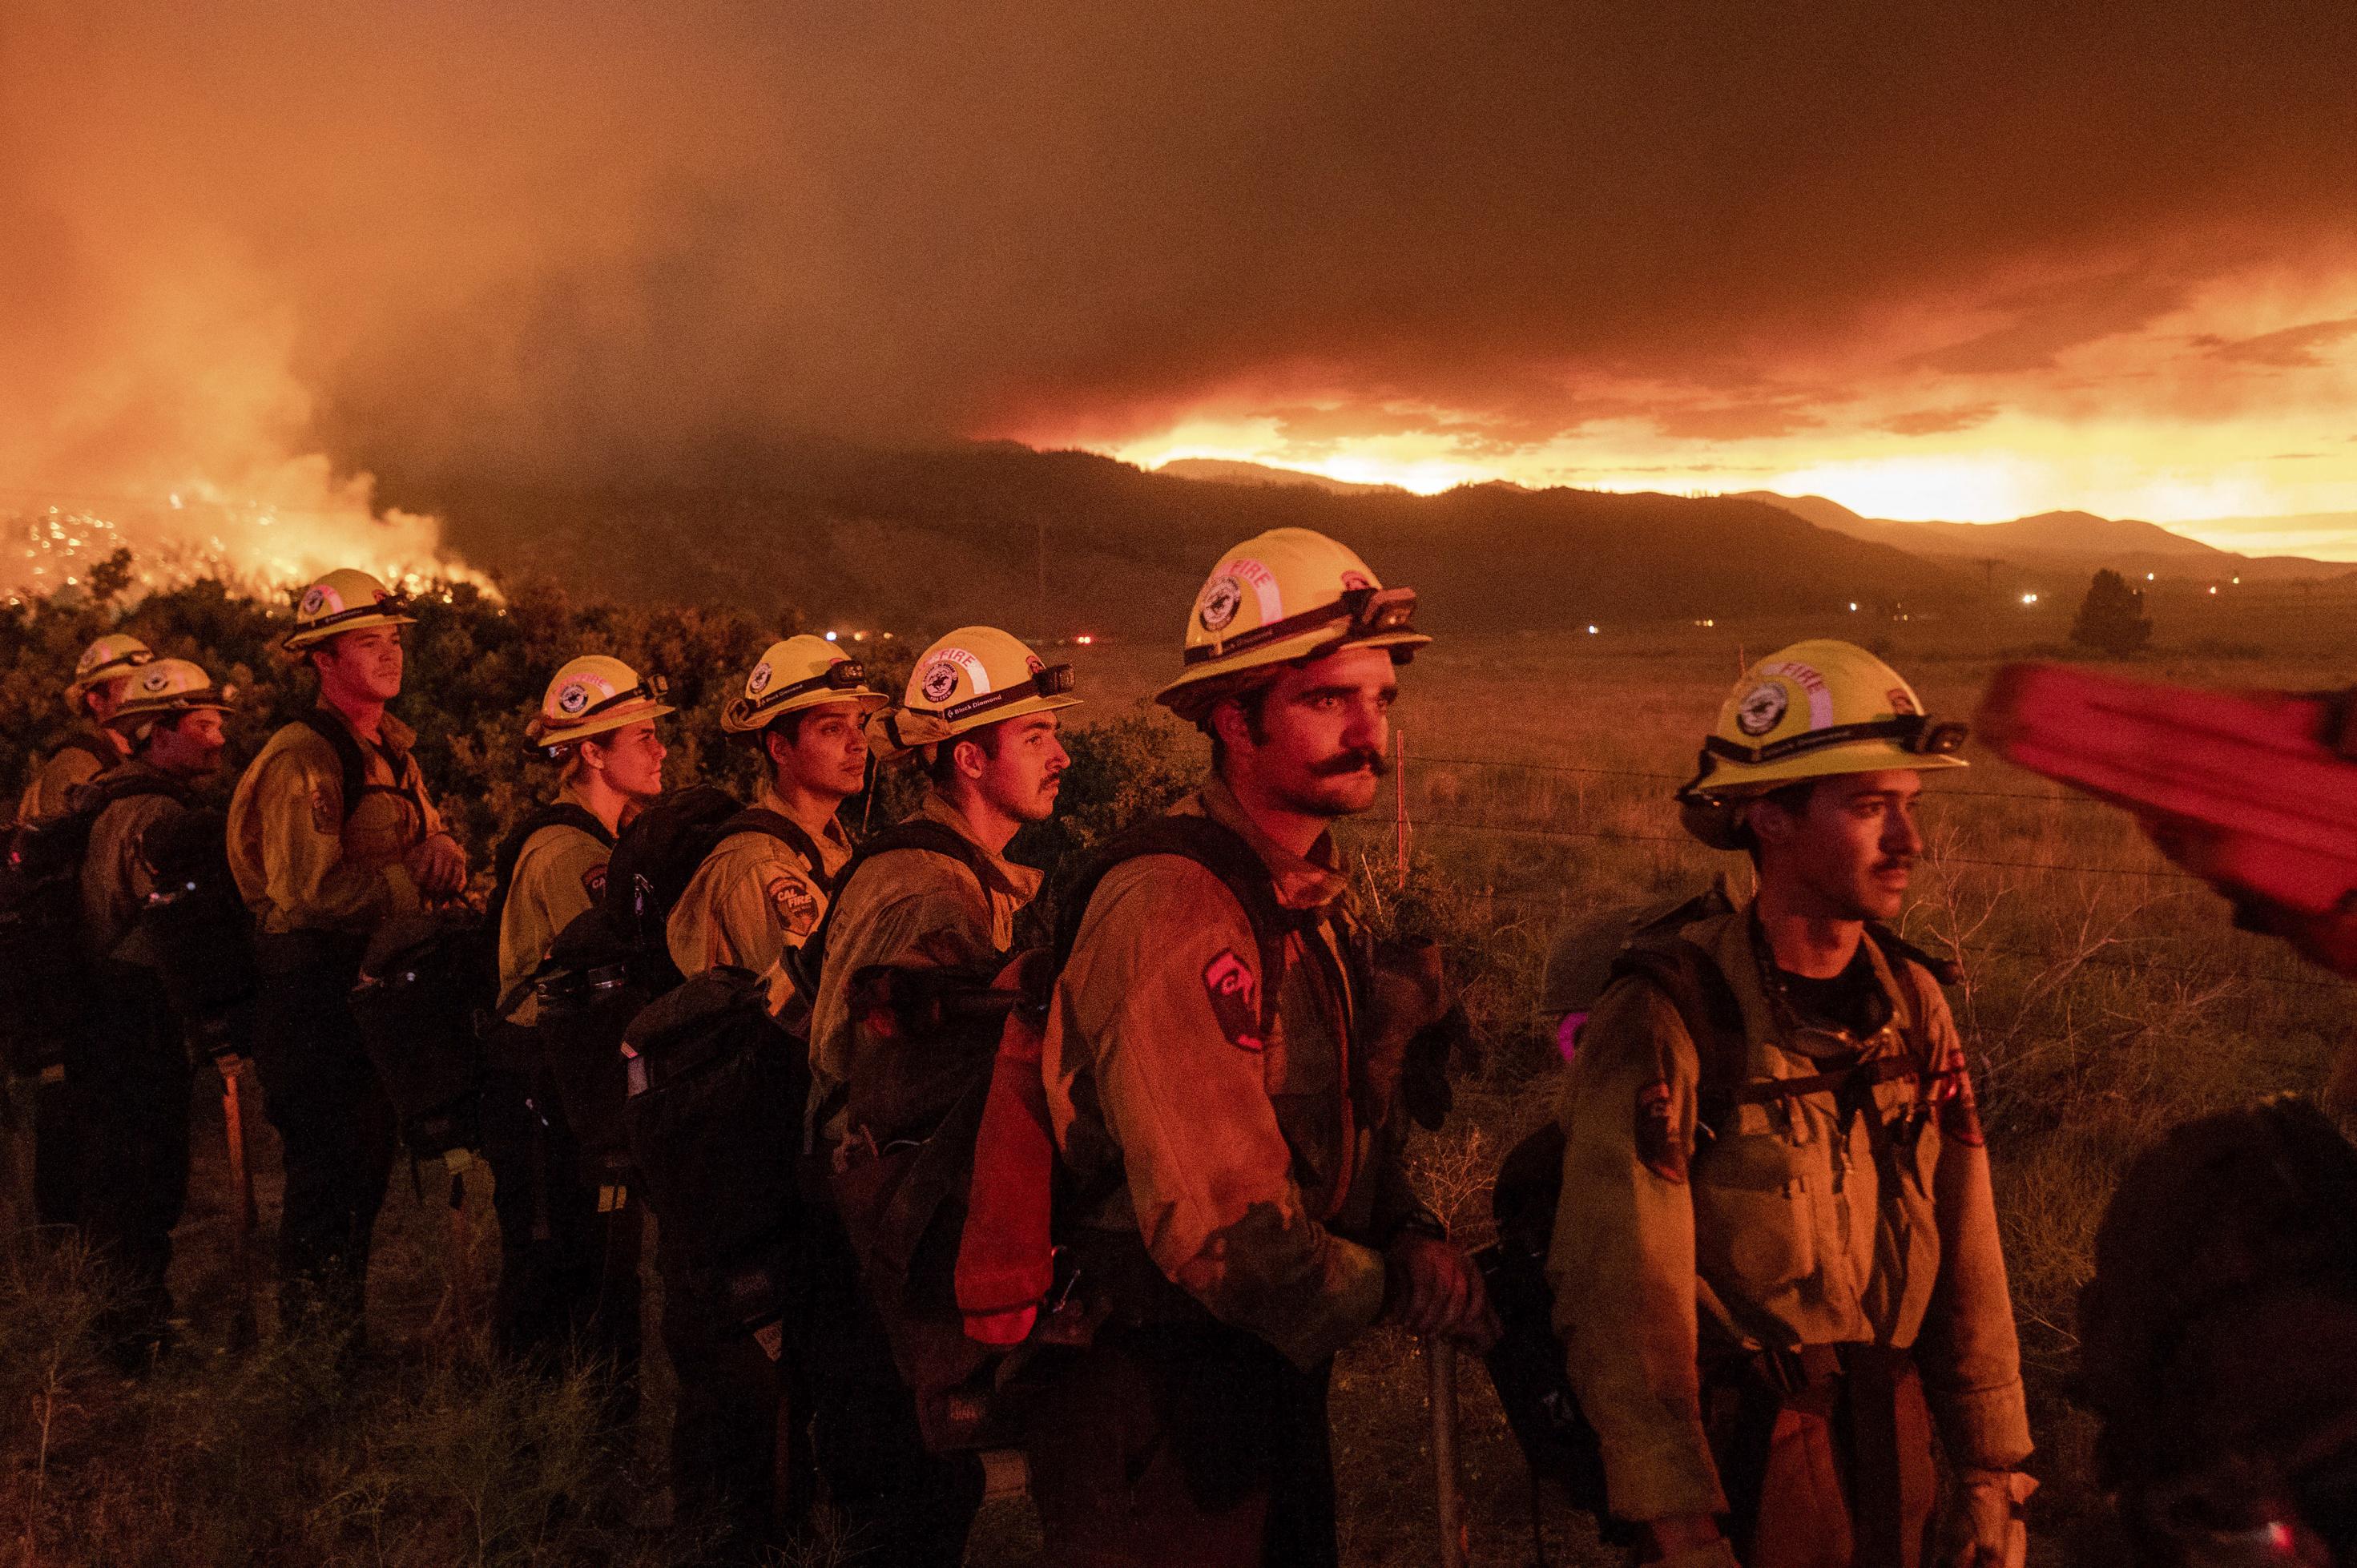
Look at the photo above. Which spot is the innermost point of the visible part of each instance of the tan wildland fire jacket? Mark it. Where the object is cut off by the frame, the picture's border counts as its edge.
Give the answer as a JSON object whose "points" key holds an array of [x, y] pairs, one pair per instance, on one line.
{"points": [[1695, 1226], [752, 902], [559, 876], [1261, 1169], [303, 857]]}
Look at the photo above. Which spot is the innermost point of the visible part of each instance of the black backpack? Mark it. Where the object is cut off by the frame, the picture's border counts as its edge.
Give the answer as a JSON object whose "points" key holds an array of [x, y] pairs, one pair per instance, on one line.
{"points": [[1527, 1365], [419, 1005], [614, 960], [556, 813], [714, 1118], [199, 928], [48, 974]]}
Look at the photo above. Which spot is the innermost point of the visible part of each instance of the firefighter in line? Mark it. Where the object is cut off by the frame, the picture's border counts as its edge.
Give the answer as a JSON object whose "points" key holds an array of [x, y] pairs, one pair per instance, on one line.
{"points": [[331, 832], [88, 749], [933, 896], [135, 1116], [751, 905], [90, 746], [568, 1255], [1776, 1258], [1233, 1152]]}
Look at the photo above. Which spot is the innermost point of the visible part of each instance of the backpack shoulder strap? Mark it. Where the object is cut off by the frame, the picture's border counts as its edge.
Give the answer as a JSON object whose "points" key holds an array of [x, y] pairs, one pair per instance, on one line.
{"points": [[809, 961], [1705, 1005], [786, 832], [554, 814], [92, 746], [1220, 850], [347, 748]]}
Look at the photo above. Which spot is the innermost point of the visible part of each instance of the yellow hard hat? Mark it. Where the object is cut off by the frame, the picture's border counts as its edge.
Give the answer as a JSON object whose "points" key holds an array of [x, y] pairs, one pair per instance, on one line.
{"points": [[976, 675], [164, 687], [111, 658], [803, 672], [592, 696], [1288, 595], [1814, 710], [344, 600]]}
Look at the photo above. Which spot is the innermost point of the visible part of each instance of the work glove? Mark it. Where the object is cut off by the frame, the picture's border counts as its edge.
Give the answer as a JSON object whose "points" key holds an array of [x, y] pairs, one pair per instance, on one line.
{"points": [[1985, 1523]]}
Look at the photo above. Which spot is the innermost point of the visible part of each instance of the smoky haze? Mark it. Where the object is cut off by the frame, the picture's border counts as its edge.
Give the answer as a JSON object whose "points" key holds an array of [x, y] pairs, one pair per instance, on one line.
{"points": [[565, 242]]}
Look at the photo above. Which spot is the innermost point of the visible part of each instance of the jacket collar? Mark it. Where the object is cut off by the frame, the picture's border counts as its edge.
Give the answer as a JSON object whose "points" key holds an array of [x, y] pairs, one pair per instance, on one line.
{"points": [[1315, 882], [1020, 883], [767, 799]]}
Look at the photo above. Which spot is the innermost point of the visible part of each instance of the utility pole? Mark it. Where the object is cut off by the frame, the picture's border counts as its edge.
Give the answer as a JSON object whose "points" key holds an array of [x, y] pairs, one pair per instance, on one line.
{"points": [[1042, 612]]}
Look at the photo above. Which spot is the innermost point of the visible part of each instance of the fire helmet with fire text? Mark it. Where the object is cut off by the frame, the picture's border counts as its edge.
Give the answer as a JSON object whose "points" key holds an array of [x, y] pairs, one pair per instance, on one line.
{"points": [[166, 688], [1816, 710], [594, 696], [111, 658], [803, 672], [1283, 597], [344, 600], [976, 676]]}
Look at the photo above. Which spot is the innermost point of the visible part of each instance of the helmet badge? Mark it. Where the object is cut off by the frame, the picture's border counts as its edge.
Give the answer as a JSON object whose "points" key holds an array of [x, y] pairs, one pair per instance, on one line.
{"points": [[1222, 596], [573, 699], [940, 680], [155, 680], [316, 601], [1761, 709], [759, 681]]}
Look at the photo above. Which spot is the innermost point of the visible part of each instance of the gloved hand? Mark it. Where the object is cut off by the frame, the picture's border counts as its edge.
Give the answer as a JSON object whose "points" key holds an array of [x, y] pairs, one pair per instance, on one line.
{"points": [[1985, 1524]]}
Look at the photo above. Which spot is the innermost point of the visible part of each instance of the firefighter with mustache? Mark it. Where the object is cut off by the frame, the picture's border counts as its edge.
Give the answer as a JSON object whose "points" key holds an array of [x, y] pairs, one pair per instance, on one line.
{"points": [[1776, 1259], [933, 901], [331, 833], [1231, 1129]]}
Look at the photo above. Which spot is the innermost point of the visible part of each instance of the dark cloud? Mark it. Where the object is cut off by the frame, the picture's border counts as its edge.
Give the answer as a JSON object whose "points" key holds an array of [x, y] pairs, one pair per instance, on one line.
{"points": [[546, 238], [1938, 421], [2292, 348]]}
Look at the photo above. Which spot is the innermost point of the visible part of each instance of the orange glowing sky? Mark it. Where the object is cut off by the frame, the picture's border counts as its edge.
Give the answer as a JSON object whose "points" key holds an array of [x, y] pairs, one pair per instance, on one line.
{"points": [[1994, 260], [2231, 411]]}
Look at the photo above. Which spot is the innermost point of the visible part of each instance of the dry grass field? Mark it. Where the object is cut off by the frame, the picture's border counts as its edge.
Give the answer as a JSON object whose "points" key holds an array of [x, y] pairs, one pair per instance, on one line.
{"points": [[2106, 997]]}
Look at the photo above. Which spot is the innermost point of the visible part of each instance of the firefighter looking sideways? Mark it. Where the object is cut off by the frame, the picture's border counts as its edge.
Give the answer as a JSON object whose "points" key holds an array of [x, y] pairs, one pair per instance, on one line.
{"points": [[933, 900], [331, 833], [90, 746], [1234, 1154], [1776, 1259], [88, 749], [568, 1255], [136, 1118], [753, 902], [760, 894]]}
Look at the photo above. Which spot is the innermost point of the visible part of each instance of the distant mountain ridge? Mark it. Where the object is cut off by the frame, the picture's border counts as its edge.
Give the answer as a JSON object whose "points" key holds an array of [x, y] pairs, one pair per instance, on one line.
{"points": [[1057, 544], [2048, 539], [1226, 472]]}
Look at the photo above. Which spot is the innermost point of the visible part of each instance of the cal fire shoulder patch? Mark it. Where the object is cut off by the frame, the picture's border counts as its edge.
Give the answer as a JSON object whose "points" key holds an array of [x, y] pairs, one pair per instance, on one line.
{"points": [[1658, 1143], [327, 814], [593, 883], [796, 902], [1234, 991]]}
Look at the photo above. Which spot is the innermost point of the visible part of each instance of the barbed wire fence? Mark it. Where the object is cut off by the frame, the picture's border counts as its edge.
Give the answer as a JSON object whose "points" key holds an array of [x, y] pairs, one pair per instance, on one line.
{"points": [[2248, 981]]}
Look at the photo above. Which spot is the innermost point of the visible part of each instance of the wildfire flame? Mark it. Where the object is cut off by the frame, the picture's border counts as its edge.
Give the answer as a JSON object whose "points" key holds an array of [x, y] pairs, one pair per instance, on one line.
{"points": [[259, 544]]}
